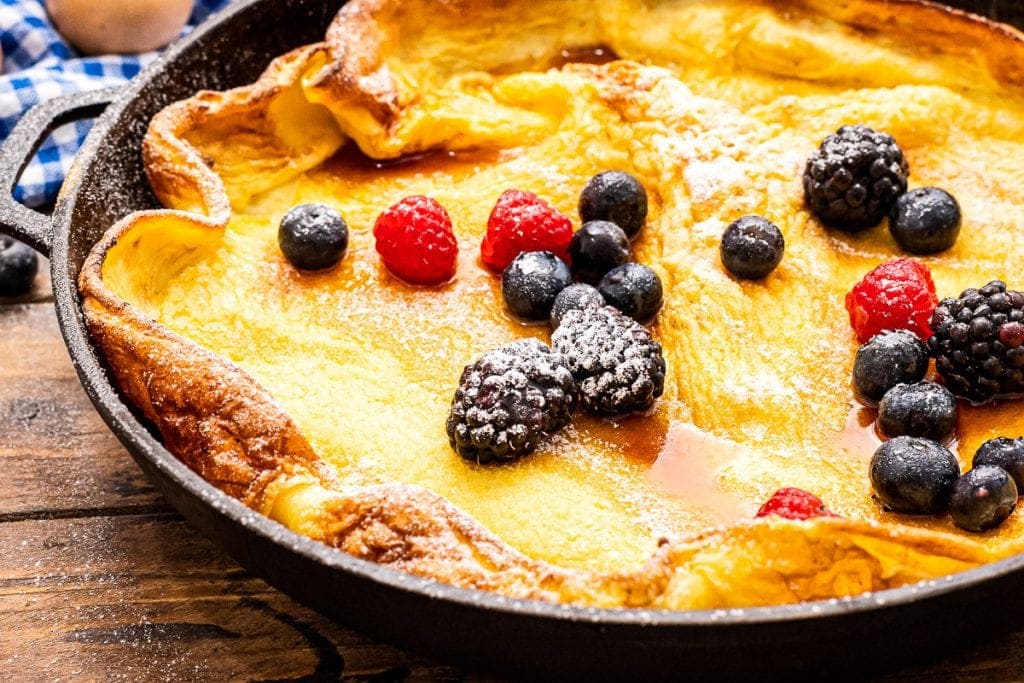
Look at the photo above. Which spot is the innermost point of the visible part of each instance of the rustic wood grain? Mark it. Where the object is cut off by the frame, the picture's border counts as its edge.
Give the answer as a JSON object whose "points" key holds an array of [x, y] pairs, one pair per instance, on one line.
{"points": [[101, 580]]}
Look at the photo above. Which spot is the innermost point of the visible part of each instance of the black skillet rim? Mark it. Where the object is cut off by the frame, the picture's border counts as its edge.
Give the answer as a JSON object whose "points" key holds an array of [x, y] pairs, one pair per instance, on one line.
{"points": [[124, 423]]}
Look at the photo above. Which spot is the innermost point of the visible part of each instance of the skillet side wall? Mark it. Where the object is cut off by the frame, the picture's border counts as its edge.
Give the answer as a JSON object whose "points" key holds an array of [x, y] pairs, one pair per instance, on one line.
{"points": [[445, 622]]}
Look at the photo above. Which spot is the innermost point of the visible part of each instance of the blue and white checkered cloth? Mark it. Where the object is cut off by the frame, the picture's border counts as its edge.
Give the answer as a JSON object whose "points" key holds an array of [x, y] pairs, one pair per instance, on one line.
{"points": [[38, 64]]}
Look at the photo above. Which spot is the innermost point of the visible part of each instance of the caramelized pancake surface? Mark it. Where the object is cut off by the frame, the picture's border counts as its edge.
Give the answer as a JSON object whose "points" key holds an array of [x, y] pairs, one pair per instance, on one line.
{"points": [[715, 110]]}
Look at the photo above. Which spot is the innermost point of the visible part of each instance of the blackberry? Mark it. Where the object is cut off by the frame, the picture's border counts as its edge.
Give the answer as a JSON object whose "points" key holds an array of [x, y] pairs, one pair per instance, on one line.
{"points": [[531, 282], [18, 267], [751, 247], [983, 498], [617, 365], [508, 400], [596, 248], [978, 342], [914, 476], [634, 289], [1005, 453], [615, 196], [313, 236], [577, 296], [925, 221], [852, 181], [887, 359], [921, 409]]}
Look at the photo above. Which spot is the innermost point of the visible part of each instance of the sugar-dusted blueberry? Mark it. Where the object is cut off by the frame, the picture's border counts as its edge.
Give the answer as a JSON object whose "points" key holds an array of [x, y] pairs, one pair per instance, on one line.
{"points": [[922, 409], [596, 248], [575, 297], [914, 476], [925, 220], [887, 359], [634, 289], [752, 247], [313, 236], [1003, 452], [531, 282], [615, 196], [983, 498], [18, 267]]}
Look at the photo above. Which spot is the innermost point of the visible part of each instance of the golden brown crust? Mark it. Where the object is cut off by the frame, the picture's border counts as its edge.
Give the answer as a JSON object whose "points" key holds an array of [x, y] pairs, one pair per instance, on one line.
{"points": [[220, 422]]}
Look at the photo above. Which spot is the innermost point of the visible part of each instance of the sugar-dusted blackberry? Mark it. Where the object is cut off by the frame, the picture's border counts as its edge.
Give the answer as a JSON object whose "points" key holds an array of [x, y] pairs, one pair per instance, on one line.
{"points": [[922, 409], [925, 221], [914, 476], [1003, 452], [531, 282], [596, 248], [615, 196], [978, 342], [751, 247], [889, 358], [617, 365], [508, 401], [634, 289], [18, 267], [983, 498], [574, 297], [854, 178]]}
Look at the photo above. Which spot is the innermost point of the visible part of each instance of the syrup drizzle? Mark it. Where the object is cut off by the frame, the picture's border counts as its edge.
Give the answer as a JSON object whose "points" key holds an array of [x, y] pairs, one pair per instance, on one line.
{"points": [[689, 466]]}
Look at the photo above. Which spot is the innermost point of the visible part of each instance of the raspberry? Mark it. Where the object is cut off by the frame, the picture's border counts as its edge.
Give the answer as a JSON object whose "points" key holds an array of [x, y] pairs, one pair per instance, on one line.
{"points": [[522, 221], [793, 503], [415, 241], [897, 295]]}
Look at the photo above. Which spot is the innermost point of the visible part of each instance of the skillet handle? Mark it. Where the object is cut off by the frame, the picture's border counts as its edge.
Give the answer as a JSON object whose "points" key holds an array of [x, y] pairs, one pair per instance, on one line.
{"points": [[25, 224]]}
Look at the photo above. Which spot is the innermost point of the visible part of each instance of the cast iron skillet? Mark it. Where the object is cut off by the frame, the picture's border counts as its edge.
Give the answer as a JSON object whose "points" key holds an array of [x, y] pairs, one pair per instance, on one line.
{"points": [[474, 628]]}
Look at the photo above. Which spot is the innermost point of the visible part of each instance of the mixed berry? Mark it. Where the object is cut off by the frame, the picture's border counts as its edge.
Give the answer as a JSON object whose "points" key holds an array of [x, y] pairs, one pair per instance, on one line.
{"points": [[313, 237], [522, 221], [897, 295], [415, 241], [18, 267], [531, 282], [793, 503], [752, 247], [925, 221]]}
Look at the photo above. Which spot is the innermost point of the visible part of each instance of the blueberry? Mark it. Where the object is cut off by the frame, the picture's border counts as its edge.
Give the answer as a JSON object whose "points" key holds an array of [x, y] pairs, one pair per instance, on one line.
{"points": [[313, 236], [888, 359], [572, 298], [983, 498], [18, 267], [1005, 453], [615, 196], [634, 289], [923, 409], [531, 282], [596, 248], [925, 220], [913, 475], [752, 247]]}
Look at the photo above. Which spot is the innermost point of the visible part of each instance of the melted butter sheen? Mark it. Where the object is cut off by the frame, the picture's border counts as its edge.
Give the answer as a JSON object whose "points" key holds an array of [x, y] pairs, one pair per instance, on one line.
{"points": [[757, 393]]}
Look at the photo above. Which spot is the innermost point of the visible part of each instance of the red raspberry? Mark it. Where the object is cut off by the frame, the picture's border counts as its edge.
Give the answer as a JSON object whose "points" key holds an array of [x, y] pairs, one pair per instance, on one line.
{"points": [[415, 241], [794, 504], [522, 221], [897, 295]]}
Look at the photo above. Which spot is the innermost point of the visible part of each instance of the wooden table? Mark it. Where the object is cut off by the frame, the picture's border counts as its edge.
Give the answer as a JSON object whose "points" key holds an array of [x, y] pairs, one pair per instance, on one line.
{"points": [[101, 579]]}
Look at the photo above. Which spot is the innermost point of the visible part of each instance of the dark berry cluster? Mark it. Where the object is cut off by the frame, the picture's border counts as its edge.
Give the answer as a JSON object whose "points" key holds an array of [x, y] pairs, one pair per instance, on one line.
{"points": [[858, 176], [511, 399], [613, 208], [914, 471]]}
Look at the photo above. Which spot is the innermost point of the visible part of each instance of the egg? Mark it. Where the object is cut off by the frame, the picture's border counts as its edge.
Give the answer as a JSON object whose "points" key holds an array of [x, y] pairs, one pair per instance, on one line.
{"points": [[119, 26]]}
